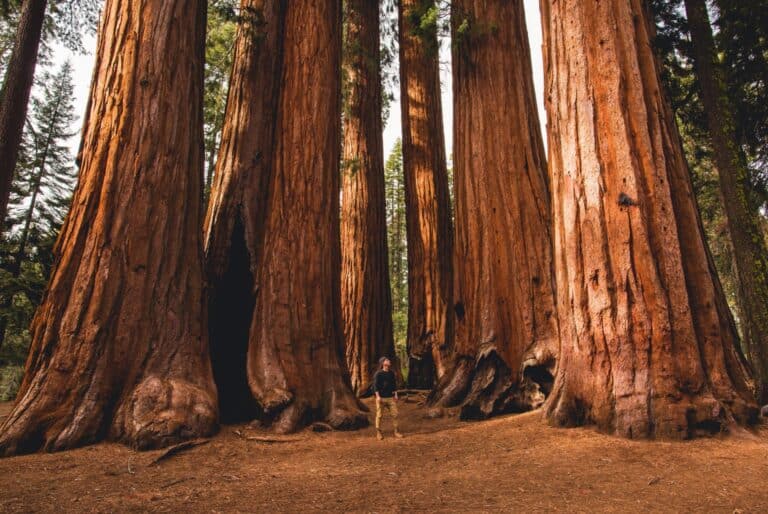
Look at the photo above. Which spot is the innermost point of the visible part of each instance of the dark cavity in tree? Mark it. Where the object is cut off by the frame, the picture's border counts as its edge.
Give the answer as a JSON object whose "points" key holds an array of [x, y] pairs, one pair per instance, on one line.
{"points": [[540, 375], [421, 371], [230, 314]]}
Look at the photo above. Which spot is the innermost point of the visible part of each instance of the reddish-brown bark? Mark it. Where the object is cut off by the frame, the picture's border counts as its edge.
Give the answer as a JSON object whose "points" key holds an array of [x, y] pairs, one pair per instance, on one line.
{"points": [[292, 348], [234, 223], [506, 338], [366, 301], [428, 215], [648, 345], [14, 95], [119, 348]]}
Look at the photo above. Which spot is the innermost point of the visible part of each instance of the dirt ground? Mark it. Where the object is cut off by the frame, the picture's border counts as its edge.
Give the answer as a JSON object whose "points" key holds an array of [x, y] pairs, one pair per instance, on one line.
{"points": [[512, 463]]}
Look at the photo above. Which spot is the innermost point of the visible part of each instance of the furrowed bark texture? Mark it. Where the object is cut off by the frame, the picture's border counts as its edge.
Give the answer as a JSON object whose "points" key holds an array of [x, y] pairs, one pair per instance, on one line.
{"points": [[648, 345], [428, 216], [119, 348], [751, 257], [234, 223], [296, 367], [14, 96], [366, 299], [506, 338]]}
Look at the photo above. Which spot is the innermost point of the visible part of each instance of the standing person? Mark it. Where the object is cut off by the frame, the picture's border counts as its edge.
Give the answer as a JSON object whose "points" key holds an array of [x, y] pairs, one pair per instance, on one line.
{"points": [[385, 389]]}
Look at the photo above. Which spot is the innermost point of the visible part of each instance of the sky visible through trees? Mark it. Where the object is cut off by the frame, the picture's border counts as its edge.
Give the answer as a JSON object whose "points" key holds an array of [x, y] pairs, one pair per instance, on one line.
{"points": [[83, 66]]}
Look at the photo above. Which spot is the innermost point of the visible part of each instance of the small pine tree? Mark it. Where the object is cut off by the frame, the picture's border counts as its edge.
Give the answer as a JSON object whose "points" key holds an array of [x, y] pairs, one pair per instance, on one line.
{"points": [[40, 198]]}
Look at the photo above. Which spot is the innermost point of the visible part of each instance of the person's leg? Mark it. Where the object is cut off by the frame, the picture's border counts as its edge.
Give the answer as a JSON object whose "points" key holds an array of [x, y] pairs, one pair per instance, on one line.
{"points": [[379, 414], [393, 411]]}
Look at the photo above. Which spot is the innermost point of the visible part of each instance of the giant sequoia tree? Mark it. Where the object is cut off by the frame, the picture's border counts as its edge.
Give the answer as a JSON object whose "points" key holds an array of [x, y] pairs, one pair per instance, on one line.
{"points": [[366, 299], [14, 94], [426, 195], [272, 239], [234, 223], [749, 249], [648, 344], [505, 327], [119, 347]]}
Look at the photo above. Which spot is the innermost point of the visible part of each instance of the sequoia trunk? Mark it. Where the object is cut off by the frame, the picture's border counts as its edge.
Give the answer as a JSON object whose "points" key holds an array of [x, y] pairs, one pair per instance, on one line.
{"points": [[366, 300], [751, 257], [14, 95], [295, 367], [506, 338], [648, 344], [427, 198], [119, 348], [234, 224]]}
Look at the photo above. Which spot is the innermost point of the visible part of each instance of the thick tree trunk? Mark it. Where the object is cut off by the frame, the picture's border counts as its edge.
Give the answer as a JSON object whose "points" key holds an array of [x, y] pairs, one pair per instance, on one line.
{"points": [[119, 348], [750, 255], [506, 337], [14, 95], [280, 152], [366, 300], [427, 200], [234, 224], [648, 344]]}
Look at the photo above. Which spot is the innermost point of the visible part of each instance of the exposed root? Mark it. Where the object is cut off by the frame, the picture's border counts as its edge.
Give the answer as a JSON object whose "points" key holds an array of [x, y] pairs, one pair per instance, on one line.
{"points": [[485, 386], [164, 412]]}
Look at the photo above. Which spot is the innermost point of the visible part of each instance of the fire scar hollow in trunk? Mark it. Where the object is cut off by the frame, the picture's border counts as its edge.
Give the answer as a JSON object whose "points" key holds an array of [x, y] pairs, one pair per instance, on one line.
{"points": [[274, 218]]}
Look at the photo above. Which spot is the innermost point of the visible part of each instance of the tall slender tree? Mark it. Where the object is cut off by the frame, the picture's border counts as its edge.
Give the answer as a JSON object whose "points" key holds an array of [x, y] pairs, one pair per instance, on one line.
{"points": [[506, 338], [366, 301], [649, 348], [749, 249], [14, 94], [428, 210], [119, 348]]}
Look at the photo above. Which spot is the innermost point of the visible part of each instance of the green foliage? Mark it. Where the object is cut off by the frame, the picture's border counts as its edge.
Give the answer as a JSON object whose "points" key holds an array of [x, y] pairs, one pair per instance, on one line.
{"points": [[742, 41], [398, 247], [219, 44], [10, 380], [388, 53], [429, 19], [66, 23], [40, 198]]}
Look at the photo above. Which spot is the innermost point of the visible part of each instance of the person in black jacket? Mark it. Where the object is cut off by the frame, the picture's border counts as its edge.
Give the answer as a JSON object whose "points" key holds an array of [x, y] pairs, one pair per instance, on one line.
{"points": [[385, 389]]}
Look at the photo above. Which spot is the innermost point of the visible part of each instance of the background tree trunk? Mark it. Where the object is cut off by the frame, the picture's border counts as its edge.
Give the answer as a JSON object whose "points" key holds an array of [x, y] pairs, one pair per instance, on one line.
{"points": [[296, 367], [234, 223], [506, 337], [119, 346], [648, 343], [750, 255], [366, 300], [427, 199], [14, 96]]}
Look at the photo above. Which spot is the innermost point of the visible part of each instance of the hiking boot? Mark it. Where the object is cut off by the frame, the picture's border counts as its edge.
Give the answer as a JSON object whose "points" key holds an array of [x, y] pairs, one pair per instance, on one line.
{"points": [[398, 435], [379, 436]]}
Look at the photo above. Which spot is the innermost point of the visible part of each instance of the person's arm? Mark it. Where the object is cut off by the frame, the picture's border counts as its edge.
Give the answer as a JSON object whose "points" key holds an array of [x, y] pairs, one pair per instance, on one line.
{"points": [[376, 386]]}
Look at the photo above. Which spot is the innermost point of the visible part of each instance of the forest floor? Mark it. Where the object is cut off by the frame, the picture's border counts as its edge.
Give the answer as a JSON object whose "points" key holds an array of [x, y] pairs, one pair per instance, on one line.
{"points": [[511, 463]]}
